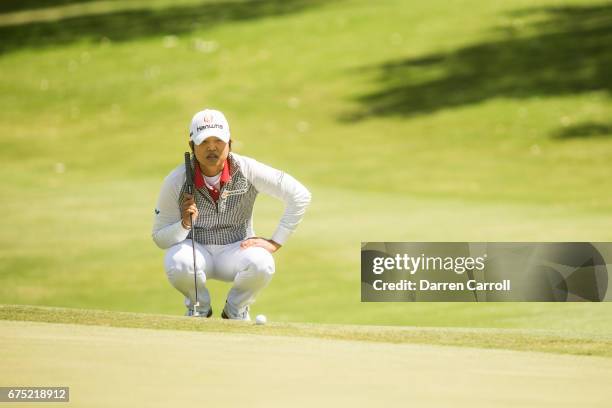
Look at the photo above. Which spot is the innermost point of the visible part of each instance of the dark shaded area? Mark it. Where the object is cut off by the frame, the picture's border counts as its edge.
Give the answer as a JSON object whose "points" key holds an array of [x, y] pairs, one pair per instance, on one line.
{"points": [[564, 50], [131, 24], [7, 6], [584, 131], [546, 285], [586, 279]]}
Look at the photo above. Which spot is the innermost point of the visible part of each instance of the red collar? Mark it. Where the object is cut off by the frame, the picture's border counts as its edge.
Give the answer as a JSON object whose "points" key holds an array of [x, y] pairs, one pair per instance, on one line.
{"points": [[225, 174]]}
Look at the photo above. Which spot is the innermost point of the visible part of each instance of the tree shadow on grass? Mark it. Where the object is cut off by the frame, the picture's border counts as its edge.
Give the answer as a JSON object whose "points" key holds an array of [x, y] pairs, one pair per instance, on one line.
{"points": [[561, 50], [7, 6], [585, 130], [131, 24]]}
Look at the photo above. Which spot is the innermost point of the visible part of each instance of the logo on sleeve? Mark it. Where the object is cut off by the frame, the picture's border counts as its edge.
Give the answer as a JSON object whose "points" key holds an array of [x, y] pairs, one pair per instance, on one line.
{"points": [[156, 211]]}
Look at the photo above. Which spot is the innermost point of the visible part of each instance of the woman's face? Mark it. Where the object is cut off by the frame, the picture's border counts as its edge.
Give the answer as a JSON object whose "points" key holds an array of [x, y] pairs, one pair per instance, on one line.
{"points": [[212, 152]]}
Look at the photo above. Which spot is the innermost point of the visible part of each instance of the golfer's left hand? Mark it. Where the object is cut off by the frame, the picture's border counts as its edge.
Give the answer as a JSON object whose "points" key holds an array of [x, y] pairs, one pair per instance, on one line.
{"points": [[266, 244]]}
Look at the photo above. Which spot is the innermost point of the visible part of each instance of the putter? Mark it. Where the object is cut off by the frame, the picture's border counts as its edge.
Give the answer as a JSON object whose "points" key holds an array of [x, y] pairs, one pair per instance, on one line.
{"points": [[189, 176]]}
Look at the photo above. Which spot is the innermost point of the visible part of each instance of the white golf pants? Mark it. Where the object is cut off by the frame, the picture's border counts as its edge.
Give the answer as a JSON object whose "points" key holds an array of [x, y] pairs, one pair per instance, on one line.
{"points": [[249, 269]]}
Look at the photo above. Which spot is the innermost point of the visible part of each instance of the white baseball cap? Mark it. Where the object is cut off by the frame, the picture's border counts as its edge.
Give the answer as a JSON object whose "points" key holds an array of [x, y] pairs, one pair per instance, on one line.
{"points": [[206, 123]]}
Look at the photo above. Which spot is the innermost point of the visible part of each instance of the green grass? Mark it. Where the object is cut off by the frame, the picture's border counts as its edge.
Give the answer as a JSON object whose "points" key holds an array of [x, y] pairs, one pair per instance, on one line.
{"points": [[423, 121], [549, 341]]}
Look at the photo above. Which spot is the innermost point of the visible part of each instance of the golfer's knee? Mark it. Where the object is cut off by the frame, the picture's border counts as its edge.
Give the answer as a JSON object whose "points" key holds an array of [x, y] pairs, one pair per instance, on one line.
{"points": [[259, 262], [178, 261]]}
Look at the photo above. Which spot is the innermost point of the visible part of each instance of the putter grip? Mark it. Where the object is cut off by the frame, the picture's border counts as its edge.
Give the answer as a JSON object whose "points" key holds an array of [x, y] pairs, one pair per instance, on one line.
{"points": [[188, 173]]}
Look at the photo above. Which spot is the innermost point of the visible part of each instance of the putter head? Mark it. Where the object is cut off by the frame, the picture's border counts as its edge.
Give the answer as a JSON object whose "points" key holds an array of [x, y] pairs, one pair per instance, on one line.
{"points": [[195, 309]]}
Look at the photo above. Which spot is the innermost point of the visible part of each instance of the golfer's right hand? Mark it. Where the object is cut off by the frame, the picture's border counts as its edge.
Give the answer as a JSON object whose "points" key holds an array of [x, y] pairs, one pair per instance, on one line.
{"points": [[188, 207]]}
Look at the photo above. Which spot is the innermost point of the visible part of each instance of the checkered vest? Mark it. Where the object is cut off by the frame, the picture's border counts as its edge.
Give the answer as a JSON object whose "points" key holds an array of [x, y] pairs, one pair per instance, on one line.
{"points": [[228, 220]]}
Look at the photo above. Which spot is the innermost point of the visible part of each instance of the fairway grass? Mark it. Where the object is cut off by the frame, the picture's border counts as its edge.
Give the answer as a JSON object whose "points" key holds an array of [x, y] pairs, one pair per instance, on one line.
{"points": [[408, 121], [550, 341]]}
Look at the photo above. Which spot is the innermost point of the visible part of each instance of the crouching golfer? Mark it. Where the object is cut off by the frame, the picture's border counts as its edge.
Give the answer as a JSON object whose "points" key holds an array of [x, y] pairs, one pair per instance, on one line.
{"points": [[226, 185]]}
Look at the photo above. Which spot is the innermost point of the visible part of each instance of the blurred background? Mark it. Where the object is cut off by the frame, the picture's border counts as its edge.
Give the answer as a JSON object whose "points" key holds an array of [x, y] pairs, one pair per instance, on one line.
{"points": [[467, 120]]}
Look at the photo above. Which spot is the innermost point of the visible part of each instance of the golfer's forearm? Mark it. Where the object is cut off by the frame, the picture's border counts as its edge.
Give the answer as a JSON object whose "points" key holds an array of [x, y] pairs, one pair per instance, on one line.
{"points": [[297, 198], [170, 235], [281, 185]]}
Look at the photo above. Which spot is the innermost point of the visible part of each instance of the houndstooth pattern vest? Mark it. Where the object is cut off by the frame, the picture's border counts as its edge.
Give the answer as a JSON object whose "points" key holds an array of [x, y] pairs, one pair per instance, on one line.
{"points": [[228, 220]]}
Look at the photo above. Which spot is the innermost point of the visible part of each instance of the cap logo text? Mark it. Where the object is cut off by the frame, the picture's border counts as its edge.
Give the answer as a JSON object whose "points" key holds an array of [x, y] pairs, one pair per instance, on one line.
{"points": [[213, 126]]}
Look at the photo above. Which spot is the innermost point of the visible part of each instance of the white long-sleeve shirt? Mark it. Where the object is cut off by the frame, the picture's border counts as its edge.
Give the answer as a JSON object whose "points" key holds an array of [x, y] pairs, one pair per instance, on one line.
{"points": [[168, 229]]}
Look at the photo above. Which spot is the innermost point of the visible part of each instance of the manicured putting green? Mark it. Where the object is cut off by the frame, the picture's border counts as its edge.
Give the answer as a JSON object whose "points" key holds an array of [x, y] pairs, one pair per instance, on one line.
{"points": [[127, 367]]}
